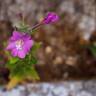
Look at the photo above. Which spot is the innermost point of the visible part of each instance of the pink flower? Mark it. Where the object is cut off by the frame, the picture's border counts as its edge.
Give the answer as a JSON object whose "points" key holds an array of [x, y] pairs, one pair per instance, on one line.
{"points": [[51, 18], [20, 44]]}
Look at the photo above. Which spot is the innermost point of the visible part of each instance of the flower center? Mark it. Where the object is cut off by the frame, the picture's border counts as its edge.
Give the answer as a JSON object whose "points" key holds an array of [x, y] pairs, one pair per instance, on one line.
{"points": [[19, 44]]}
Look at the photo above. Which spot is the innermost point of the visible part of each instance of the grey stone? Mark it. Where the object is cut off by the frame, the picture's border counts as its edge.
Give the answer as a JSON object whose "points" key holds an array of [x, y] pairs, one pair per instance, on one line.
{"points": [[67, 88]]}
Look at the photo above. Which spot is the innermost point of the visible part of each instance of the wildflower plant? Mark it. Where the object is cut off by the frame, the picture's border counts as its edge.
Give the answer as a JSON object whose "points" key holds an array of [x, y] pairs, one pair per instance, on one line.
{"points": [[23, 47]]}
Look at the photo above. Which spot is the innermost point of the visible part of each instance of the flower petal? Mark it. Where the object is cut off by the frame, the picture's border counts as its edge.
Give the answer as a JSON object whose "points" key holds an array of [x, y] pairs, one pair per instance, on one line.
{"points": [[28, 44], [10, 46], [16, 35], [26, 37], [14, 52], [21, 54], [51, 18]]}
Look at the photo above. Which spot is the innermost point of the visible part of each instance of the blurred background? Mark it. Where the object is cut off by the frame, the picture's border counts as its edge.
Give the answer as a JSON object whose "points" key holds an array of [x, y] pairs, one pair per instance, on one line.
{"points": [[62, 55]]}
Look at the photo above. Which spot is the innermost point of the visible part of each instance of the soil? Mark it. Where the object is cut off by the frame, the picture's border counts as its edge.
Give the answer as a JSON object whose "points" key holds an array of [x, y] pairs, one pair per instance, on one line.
{"points": [[61, 57]]}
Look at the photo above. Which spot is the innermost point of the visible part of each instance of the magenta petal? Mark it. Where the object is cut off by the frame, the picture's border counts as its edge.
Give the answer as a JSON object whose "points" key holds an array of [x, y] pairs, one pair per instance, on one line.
{"points": [[14, 52], [21, 54], [10, 46], [51, 18], [28, 45], [55, 18], [16, 35], [26, 37]]}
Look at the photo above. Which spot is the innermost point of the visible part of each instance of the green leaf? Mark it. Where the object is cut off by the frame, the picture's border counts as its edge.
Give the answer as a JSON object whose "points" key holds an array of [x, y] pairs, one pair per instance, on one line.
{"points": [[11, 63], [33, 74], [22, 68], [16, 69], [13, 60], [33, 60], [23, 27]]}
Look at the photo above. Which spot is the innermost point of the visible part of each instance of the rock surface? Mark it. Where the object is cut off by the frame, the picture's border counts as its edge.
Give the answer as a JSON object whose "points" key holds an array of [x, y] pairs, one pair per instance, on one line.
{"points": [[67, 88]]}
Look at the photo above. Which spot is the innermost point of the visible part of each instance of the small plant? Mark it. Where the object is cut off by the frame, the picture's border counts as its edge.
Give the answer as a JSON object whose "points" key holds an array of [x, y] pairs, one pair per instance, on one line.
{"points": [[23, 48]]}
